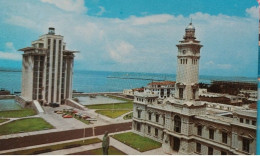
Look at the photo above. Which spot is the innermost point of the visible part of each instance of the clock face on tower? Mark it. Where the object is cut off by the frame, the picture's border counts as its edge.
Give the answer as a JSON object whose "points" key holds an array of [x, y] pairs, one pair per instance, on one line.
{"points": [[184, 51]]}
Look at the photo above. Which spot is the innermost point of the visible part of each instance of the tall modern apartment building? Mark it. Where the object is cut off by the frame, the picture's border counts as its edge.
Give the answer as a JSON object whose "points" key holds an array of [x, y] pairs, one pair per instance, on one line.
{"points": [[47, 70]]}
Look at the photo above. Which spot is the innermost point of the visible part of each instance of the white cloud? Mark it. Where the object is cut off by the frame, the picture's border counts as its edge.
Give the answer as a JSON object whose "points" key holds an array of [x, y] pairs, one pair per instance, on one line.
{"points": [[120, 51], [21, 21], [213, 65], [102, 11], [153, 19], [10, 46], [253, 12], [10, 56], [11, 53], [224, 66], [77, 6]]}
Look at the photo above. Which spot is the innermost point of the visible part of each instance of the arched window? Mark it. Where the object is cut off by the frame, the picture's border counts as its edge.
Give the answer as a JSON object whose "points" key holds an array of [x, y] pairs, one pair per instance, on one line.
{"points": [[177, 124]]}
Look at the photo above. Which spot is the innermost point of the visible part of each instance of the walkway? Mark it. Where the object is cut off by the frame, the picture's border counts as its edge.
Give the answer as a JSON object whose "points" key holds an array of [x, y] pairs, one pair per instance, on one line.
{"points": [[13, 119]]}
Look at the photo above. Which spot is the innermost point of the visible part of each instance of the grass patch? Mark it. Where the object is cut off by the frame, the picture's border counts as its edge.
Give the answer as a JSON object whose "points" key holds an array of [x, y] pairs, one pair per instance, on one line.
{"points": [[128, 116], [3, 120], [17, 113], [111, 151], [82, 120], [126, 105], [112, 113], [24, 125], [137, 142], [55, 147]]}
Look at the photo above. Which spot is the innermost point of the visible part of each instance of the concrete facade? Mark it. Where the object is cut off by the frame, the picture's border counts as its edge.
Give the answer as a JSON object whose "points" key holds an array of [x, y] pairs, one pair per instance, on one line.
{"points": [[163, 89], [47, 70], [185, 125]]}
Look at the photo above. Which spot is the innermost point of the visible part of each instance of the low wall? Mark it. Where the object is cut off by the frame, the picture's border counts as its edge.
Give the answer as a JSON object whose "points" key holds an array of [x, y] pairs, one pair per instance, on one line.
{"points": [[52, 137], [23, 102], [37, 107], [74, 104], [7, 96]]}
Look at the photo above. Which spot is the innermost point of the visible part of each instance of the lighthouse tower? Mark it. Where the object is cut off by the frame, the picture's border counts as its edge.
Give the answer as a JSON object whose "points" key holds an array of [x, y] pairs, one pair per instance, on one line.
{"points": [[187, 87]]}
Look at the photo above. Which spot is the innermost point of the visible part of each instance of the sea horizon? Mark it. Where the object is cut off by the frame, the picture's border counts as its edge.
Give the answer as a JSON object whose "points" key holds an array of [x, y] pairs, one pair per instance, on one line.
{"points": [[90, 81]]}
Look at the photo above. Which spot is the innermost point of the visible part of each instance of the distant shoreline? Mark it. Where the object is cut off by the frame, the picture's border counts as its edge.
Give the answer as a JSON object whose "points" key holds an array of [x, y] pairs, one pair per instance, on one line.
{"points": [[8, 70]]}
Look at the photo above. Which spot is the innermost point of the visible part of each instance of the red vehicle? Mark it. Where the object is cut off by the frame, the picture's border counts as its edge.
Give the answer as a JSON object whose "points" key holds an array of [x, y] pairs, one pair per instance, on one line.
{"points": [[67, 116]]}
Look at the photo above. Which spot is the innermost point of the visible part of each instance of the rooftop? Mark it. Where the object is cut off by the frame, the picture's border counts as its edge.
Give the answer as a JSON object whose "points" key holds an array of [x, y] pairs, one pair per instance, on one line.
{"points": [[163, 83]]}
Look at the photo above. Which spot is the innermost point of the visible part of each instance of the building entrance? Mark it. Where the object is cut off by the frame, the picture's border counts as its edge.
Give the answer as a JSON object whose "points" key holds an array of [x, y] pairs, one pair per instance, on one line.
{"points": [[175, 143]]}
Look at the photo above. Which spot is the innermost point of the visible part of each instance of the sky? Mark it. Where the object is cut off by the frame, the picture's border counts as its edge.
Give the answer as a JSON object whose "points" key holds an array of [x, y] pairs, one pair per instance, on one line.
{"points": [[136, 35]]}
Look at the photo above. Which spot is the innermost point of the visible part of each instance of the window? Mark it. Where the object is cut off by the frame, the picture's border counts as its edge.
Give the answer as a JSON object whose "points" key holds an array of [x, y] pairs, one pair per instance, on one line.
{"points": [[246, 143], [253, 122], [223, 153], [224, 137], [149, 129], [177, 124], [138, 126], [247, 121], [156, 131], [241, 120], [211, 134], [157, 117], [150, 116], [181, 93], [199, 132], [163, 120], [210, 151], [139, 113], [198, 147], [194, 93]]}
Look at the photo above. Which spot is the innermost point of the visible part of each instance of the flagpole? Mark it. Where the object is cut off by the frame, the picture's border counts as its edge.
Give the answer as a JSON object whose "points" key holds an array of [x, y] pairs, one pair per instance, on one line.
{"points": [[258, 100]]}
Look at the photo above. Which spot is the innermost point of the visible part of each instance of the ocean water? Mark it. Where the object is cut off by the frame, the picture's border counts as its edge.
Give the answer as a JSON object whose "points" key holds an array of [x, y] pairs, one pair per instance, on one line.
{"points": [[102, 81], [9, 104]]}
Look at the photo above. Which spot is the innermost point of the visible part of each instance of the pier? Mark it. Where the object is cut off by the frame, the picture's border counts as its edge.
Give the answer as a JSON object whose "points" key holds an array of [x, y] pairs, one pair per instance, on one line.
{"points": [[135, 78]]}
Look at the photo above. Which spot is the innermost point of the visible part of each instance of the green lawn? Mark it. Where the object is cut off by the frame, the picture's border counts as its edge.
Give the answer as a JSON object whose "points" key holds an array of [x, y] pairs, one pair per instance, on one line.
{"points": [[111, 151], [112, 113], [17, 113], [137, 142], [82, 120], [3, 120], [126, 105], [128, 116], [55, 147], [24, 125]]}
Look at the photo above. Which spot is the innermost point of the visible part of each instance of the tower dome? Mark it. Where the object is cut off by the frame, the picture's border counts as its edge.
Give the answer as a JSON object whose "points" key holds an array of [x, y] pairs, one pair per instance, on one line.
{"points": [[190, 27], [189, 32]]}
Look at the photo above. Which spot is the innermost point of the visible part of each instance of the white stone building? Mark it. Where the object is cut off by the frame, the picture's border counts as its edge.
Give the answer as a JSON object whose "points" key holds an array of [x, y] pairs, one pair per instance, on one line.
{"points": [[163, 89], [47, 70], [185, 125]]}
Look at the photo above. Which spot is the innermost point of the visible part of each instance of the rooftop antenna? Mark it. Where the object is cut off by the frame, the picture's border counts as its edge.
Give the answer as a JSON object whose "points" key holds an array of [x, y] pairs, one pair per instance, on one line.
{"points": [[190, 20]]}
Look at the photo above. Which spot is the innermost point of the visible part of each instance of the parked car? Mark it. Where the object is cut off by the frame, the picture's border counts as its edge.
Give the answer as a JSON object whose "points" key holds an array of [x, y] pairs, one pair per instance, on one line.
{"points": [[67, 116], [54, 105]]}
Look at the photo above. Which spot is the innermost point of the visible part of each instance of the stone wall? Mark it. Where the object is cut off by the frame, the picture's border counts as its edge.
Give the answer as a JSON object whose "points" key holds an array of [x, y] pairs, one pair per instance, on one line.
{"points": [[23, 102], [72, 103], [7, 96]]}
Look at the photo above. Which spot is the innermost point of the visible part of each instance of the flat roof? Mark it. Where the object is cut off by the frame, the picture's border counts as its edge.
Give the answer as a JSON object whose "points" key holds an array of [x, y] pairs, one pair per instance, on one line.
{"points": [[32, 48]]}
